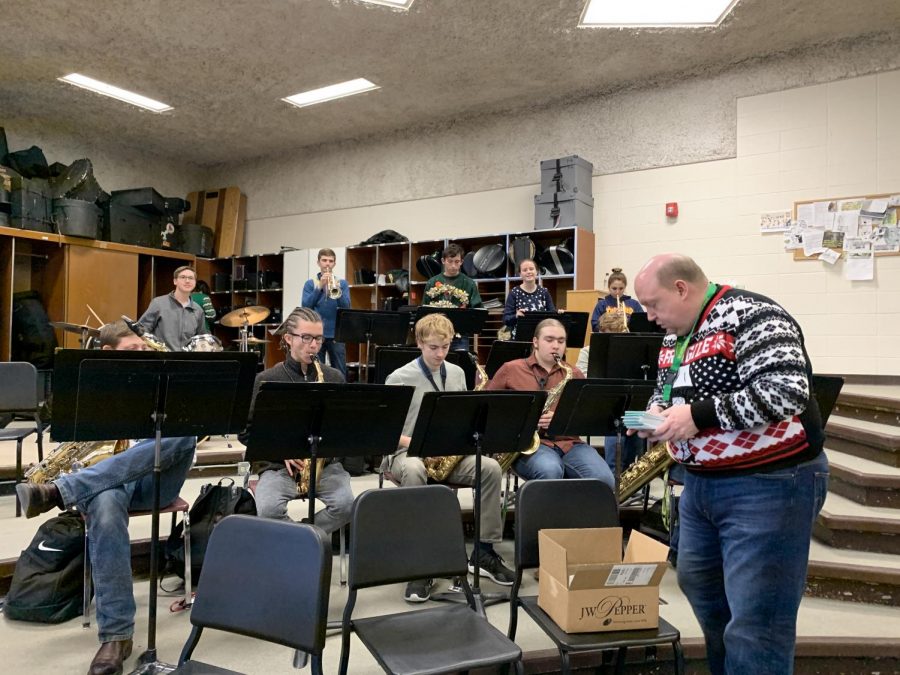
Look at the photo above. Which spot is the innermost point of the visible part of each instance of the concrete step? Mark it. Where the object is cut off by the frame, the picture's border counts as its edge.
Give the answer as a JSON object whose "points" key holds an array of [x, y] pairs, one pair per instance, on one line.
{"points": [[853, 576], [864, 481], [870, 402], [875, 441], [845, 524]]}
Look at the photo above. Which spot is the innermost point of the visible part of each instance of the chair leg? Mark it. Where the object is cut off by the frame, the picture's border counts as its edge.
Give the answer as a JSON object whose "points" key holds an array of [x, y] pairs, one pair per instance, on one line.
{"points": [[564, 667], [86, 598], [678, 656], [18, 475], [190, 645], [343, 559], [188, 581], [620, 660]]}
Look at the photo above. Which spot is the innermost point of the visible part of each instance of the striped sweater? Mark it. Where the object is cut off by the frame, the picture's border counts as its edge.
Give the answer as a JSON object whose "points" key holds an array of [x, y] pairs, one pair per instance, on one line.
{"points": [[746, 376]]}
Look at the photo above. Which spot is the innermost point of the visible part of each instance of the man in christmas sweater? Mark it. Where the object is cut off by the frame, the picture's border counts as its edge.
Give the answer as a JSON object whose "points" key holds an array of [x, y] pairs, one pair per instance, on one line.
{"points": [[734, 391]]}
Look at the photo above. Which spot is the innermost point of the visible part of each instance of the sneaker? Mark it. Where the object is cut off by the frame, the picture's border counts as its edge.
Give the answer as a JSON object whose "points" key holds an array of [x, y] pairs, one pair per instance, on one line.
{"points": [[491, 566], [419, 590]]}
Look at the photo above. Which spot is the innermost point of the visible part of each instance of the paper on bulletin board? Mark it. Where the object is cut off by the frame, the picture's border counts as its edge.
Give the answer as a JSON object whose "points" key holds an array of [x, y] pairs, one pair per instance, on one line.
{"points": [[812, 242], [860, 260], [829, 256], [774, 221]]}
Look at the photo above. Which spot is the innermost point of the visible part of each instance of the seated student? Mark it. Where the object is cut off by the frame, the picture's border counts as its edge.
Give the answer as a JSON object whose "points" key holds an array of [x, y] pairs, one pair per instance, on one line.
{"points": [[561, 456], [616, 301], [105, 493], [302, 334], [528, 297], [430, 372]]}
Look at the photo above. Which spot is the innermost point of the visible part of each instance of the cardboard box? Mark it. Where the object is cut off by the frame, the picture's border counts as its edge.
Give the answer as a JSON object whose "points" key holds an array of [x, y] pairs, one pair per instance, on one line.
{"points": [[587, 586]]}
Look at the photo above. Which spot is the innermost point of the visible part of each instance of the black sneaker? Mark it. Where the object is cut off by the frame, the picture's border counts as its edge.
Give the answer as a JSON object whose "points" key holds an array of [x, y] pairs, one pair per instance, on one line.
{"points": [[419, 590], [491, 566]]}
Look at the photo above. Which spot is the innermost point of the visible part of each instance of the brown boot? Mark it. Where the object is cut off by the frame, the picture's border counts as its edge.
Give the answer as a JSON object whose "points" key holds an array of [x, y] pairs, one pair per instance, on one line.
{"points": [[38, 498], [110, 657]]}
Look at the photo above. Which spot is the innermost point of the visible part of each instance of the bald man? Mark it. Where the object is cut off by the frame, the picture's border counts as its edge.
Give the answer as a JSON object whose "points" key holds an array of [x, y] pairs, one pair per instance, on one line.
{"points": [[734, 387]]}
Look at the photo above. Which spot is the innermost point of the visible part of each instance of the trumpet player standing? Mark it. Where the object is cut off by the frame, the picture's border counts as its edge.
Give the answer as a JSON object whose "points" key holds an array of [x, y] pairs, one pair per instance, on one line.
{"points": [[326, 294]]}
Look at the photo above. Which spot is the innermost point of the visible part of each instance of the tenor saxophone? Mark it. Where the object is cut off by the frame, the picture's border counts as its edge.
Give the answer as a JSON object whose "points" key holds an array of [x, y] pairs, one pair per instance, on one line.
{"points": [[73, 456], [438, 468], [645, 468], [303, 477], [506, 459]]}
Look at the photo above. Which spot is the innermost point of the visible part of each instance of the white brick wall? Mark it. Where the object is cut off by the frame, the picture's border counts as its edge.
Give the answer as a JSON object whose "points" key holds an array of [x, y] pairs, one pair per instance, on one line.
{"points": [[829, 140]]}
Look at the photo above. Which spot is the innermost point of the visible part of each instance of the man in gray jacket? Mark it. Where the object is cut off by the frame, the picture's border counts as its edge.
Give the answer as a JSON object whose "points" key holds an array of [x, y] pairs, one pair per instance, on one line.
{"points": [[175, 318]]}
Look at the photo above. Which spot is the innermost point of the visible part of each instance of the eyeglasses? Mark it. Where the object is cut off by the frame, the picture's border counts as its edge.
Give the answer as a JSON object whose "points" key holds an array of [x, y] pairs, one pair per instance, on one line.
{"points": [[306, 338], [185, 276]]}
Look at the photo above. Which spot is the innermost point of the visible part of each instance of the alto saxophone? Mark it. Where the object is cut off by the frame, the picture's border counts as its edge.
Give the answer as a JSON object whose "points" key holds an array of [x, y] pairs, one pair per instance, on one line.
{"points": [[506, 459], [438, 468], [303, 477]]}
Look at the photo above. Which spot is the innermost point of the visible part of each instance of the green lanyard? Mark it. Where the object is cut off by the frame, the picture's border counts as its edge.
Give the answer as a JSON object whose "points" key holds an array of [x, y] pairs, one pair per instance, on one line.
{"points": [[681, 346]]}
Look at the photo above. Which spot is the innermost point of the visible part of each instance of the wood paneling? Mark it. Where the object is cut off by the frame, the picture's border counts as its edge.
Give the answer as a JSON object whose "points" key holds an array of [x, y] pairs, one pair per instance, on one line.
{"points": [[105, 280]]}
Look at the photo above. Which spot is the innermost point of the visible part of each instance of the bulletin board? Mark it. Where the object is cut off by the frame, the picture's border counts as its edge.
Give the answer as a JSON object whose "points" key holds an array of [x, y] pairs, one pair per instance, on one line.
{"points": [[883, 231]]}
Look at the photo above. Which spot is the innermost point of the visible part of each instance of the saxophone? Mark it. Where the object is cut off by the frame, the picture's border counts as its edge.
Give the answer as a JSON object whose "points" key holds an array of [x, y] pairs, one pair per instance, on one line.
{"points": [[73, 456], [506, 459], [438, 468], [303, 478], [645, 468]]}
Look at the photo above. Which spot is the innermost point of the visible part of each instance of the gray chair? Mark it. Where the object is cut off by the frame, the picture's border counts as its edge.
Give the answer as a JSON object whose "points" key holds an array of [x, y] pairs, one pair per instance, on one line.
{"points": [[19, 395], [415, 533], [288, 567], [551, 504]]}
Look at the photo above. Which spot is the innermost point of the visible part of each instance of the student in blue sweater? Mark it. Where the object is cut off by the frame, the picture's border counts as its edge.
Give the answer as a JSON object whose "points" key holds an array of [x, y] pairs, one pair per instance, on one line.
{"points": [[616, 283], [315, 296]]}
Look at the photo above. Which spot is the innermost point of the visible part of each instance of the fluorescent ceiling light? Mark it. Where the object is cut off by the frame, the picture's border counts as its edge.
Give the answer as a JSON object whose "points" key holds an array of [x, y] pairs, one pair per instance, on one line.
{"points": [[398, 4], [664, 13], [114, 92], [331, 92]]}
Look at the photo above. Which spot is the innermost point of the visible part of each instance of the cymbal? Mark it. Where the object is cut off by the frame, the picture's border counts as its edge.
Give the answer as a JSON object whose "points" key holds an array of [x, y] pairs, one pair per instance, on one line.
{"points": [[244, 316], [76, 328], [256, 341]]}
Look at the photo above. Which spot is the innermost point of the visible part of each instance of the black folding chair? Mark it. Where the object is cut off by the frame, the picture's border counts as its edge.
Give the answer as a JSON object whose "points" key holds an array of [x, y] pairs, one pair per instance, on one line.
{"points": [[19, 394], [554, 504], [415, 533], [291, 564]]}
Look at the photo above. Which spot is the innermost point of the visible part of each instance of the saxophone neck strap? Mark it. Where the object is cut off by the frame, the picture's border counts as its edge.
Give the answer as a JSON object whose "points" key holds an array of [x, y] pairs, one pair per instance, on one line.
{"points": [[427, 373]]}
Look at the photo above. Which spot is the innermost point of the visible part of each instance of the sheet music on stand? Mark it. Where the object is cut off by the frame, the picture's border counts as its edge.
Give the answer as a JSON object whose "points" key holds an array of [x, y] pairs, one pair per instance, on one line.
{"points": [[574, 322]]}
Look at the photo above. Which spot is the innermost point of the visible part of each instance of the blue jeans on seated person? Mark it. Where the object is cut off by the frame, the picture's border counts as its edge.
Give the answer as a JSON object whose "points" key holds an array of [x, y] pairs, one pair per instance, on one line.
{"points": [[742, 558], [582, 461], [105, 493]]}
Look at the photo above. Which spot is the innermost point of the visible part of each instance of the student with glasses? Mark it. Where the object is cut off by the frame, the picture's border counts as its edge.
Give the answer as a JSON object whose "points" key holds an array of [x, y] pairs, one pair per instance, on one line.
{"points": [[302, 335], [175, 318]]}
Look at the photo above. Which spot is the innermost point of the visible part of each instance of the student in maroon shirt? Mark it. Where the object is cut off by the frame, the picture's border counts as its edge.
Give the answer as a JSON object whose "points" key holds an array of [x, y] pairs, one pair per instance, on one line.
{"points": [[560, 456]]}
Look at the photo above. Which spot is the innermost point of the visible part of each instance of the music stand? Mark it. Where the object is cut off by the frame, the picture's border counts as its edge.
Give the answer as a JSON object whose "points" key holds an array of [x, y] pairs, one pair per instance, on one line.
{"points": [[624, 355], [595, 407], [639, 323], [388, 359], [465, 322], [308, 420], [106, 394], [503, 351], [473, 423], [364, 325], [574, 322]]}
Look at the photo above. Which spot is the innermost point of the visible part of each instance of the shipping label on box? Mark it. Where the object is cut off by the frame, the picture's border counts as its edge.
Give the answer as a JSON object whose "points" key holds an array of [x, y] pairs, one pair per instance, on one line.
{"points": [[586, 585]]}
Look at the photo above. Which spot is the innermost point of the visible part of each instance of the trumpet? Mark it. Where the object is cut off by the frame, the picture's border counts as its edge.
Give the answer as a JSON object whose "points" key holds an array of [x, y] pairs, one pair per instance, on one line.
{"points": [[334, 286]]}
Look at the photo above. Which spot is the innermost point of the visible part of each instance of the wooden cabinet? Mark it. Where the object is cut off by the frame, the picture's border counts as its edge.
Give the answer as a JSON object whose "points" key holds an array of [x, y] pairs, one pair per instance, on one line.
{"points": [[71, 274], [369, 289], [256, 280]]}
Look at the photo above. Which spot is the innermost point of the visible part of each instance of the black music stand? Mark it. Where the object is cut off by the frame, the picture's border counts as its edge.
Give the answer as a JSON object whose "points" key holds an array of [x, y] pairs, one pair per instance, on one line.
{"points": [[639, 323], [629, 356], [595, 407], [574, 322], [388, 359], [370, 326], [465, 322], [473, 423], [308, 420], [106, 394], [503, 351]]}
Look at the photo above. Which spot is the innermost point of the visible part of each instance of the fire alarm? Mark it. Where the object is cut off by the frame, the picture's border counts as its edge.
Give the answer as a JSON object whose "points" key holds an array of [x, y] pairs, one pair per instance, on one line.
{"points": [[672, 210]]}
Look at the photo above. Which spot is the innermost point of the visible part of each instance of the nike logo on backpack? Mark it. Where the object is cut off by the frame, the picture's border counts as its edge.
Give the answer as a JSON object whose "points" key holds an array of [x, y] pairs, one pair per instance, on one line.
{"points": [[43, 547]]}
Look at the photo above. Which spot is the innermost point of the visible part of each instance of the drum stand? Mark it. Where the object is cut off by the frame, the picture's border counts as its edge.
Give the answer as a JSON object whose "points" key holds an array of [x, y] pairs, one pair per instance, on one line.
{"points": [[243, 334]]}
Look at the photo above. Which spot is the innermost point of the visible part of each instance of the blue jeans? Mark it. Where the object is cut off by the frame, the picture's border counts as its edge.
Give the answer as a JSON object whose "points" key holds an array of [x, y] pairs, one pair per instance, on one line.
{"points": [[105, 493], [582, 461], [276, 488], [337, 355], [631, 447], [742, 557]]}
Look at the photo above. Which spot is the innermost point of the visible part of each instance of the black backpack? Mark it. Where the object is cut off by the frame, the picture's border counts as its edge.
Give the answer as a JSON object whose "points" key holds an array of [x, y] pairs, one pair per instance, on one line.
{"points": [[33, 339], [214, 503], [48, 582]]}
